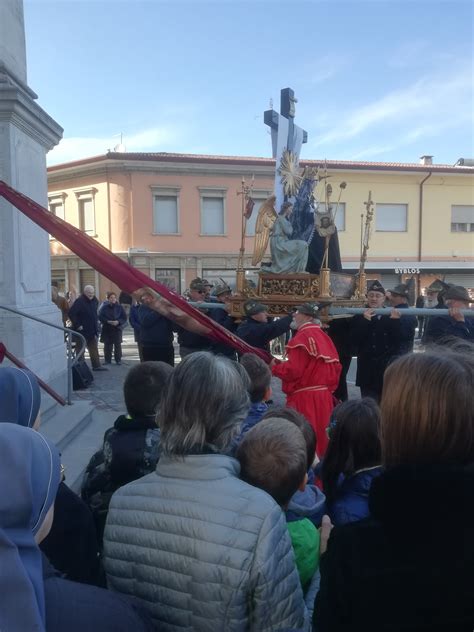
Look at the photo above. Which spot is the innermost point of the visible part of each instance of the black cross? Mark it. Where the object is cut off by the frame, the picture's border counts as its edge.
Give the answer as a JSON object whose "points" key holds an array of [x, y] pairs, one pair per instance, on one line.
{"points": [[287, 109]]}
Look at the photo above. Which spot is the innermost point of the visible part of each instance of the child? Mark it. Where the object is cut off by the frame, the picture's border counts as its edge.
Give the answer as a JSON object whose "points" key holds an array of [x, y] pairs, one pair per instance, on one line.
{"points": [[273, 457], [310, 502], [132, 447], [260, 389], [352, 459]]}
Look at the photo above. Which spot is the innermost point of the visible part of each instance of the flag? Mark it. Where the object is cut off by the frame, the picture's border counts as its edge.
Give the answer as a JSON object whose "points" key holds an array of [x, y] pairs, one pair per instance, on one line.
{"points": [[128, 278]]}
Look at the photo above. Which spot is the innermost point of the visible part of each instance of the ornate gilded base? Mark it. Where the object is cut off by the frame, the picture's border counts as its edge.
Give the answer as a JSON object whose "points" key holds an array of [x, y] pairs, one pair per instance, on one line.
{"points": [[282, 292]]}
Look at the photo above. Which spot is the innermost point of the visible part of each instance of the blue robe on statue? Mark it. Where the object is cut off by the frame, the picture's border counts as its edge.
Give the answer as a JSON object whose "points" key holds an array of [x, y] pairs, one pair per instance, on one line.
{"points": [[288, 255]]}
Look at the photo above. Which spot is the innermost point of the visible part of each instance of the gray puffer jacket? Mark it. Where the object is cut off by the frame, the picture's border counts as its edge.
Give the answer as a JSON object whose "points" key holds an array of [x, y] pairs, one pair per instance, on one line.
{"points": [[203, 550]]}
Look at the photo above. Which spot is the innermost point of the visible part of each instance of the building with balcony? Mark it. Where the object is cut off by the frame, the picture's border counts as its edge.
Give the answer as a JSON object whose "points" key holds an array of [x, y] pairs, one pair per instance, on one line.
{"points": [[178, 216]]}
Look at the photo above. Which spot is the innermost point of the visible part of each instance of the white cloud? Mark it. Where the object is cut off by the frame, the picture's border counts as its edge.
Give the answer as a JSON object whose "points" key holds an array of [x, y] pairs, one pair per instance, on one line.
{"points": [[75, 148], [433, 102]]}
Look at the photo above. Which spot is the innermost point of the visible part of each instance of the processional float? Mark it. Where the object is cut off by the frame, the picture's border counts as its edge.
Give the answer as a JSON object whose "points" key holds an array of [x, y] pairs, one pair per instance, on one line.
{"points": [[313, 221]]}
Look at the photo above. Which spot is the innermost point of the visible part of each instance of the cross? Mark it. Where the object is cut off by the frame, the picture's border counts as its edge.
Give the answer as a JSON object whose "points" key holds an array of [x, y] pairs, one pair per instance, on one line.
{"points": [[285, 135]]}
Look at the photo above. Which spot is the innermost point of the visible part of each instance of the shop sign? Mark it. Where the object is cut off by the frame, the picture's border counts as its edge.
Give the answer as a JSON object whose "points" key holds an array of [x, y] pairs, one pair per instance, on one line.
{"points": [[407, 270]]}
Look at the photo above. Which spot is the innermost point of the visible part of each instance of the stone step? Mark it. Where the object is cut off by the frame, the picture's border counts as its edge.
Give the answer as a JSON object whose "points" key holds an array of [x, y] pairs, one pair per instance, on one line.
{"points": [[79, 451], [67, 423]]}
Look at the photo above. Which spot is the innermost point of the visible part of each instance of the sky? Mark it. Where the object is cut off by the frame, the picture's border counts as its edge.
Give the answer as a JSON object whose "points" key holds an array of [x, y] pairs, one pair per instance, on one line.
{"points": [[374, 80]]}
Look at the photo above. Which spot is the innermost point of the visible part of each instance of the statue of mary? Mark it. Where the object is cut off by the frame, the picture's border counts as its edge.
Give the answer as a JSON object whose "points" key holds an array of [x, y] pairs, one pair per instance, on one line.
{"points": [[288, 255]]}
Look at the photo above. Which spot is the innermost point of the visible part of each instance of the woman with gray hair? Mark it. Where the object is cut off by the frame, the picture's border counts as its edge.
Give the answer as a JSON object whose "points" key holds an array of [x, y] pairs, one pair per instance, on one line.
{"points": [[200, 548]]}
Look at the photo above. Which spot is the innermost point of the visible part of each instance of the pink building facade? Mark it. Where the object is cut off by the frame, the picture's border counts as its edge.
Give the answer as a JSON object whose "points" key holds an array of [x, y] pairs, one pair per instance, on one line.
{"points": [[177, 216]]}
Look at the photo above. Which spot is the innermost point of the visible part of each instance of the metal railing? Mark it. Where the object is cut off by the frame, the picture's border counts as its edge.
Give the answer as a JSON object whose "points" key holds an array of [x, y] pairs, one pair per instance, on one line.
{"points": [[72, 358]]}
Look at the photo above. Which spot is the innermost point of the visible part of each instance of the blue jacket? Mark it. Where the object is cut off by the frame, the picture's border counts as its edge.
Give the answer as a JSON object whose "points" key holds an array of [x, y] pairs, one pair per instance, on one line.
{"points": [[259, 334], [76, 607], [256, 412], [155, 330], [352, 501], [222, 317], [439, 327], [406, 332], [134, 321], [308, 504], [112, 312]]}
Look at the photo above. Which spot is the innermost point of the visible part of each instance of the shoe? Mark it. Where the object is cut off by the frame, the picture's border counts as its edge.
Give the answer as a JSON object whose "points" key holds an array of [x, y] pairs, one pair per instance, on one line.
{"points": [[110, 362], [100, 368], [118, 362]]}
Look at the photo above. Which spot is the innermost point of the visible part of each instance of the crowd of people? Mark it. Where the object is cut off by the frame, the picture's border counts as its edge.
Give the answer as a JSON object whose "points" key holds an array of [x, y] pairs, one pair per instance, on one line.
{"points": [[209, 508]]}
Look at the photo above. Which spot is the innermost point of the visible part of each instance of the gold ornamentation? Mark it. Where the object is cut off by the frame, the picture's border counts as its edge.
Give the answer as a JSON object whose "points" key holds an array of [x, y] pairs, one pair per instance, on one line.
{"points": [[290, 173], [265, 219], [291, 287]]}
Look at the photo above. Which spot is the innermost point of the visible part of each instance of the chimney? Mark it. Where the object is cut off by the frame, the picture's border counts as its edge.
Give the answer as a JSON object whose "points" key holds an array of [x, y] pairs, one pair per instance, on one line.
{"points": [[426, 160]]}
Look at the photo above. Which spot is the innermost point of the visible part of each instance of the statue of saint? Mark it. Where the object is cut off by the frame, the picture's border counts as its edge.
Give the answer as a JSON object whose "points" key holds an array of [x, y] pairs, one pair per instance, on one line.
{"points": [[288, 255]]}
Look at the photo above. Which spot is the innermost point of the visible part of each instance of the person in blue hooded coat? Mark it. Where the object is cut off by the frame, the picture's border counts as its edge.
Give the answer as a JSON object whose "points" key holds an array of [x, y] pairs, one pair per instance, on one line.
{"points": [[352, 460], [72, 545], [34, 597]]}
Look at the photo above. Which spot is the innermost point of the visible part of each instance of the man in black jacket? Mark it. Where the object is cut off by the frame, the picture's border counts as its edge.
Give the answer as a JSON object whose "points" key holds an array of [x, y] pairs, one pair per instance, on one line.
{"points": [[398, 299], [256, 330], [378, 339], [221, 315], [83, 315], [456, 298], [189, 341]]}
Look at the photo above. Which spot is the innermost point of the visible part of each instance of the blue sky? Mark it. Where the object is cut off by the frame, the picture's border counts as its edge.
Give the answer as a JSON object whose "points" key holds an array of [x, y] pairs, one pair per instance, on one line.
{"points": [[374, 80]]}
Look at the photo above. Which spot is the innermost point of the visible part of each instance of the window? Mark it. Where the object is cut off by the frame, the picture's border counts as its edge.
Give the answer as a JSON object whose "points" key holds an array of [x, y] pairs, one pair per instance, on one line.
{"points": [[165, 214], [86, 209], [86, 216], [169, 277], [87, 276], [462, 218], [165, 210], [212, 212], [340, 215], [58, 280], [391, 218], [56, 206]]}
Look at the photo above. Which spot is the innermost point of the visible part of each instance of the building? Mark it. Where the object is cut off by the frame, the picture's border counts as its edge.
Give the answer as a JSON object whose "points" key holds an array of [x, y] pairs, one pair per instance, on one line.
{"points": [[178, 216]]}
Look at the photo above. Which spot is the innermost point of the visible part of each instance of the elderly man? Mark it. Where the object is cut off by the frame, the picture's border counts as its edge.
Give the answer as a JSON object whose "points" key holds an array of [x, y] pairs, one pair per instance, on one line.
{"points": [[84, 318], [190, 342], [256, 330], [456, 298], [398, 299], [311, 373], [378, 339], [221, 315]]}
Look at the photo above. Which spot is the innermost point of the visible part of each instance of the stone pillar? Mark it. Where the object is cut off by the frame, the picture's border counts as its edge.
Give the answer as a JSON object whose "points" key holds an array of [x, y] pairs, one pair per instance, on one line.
{"points": [[27, 133]]}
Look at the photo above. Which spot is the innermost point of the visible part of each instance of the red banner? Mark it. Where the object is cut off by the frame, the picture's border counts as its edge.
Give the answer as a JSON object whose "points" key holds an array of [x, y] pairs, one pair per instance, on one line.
{"points": [[125, 276]]}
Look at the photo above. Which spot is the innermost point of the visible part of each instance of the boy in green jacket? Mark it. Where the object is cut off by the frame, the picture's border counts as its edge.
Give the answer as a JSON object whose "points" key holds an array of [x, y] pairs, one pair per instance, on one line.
{"points": [[273, 457]]}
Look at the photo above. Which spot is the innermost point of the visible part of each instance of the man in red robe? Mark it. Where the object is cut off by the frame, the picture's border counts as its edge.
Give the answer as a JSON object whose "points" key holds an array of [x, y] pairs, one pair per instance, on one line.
{"points": [[311, 373]]}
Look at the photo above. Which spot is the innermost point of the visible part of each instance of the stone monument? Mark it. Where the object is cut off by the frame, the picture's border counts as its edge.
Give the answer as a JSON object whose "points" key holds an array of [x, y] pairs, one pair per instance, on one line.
{"points": [[27, 133]]}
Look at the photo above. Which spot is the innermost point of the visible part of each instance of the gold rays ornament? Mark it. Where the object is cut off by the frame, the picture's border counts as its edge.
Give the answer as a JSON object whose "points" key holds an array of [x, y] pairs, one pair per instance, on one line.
{"points": [[290, 173]]}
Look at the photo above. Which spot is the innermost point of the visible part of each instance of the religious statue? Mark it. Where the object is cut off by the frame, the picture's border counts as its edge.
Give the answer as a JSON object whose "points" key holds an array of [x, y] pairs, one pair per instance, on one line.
{"points": [[288, 255]]}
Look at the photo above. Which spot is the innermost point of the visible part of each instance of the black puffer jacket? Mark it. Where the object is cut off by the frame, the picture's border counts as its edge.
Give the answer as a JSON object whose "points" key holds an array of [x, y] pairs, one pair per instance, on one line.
{"points": [[410, 566], [130, 450]]}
